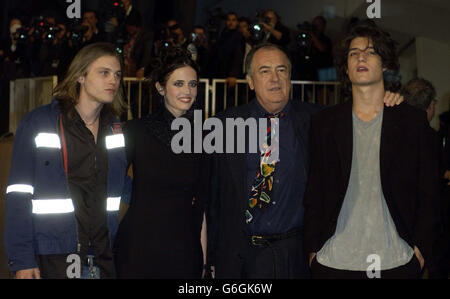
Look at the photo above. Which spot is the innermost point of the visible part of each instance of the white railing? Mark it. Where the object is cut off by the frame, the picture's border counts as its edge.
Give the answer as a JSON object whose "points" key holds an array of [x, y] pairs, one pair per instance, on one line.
{"points": [[129, 81], [315, 91], [314, 84], [207, 89], [27, 94], [214, 89], [312, 91]]}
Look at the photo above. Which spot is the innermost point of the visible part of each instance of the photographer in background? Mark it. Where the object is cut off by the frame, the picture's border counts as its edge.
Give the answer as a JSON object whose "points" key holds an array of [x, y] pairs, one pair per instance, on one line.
{"points": [[314, 51], [127, 10], [60, 53], [115, 27], [244, 29], [137, 56], [13, 65], [276, 32], [42, 33], [13, 52], [93, 34], [137, 52], [321, 48], [230, 51], [200, 40], [176, 38]]}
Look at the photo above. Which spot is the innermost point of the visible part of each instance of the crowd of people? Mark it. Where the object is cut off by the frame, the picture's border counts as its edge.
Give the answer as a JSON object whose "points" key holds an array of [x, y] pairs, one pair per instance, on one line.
{"points": [[353, 181], [37, 49], [45, 46]]}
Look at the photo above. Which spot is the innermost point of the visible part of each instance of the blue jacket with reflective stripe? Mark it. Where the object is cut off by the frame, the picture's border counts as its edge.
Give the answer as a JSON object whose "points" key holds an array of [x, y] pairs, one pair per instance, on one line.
{"points": [[33, 227]]}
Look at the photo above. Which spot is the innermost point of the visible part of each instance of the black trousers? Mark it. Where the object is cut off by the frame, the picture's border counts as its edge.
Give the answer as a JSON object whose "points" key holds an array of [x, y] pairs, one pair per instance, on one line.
{"points": [[55, 267], [411, 270], [282, 259]]}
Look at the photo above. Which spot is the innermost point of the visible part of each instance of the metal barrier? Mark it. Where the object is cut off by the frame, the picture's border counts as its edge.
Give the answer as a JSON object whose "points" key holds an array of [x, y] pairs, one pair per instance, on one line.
{"points": [[207, 90], [28, 94], [129, 81], [316, 92], [225, 91], [314, 98]]}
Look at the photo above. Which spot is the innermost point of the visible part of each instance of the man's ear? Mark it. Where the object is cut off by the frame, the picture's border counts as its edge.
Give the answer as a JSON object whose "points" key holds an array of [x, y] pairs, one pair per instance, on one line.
{"points": [[250, 82], [160, 89]]}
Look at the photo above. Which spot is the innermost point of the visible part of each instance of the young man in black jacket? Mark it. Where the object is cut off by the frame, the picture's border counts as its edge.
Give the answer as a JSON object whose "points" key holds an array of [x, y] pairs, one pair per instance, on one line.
{"points": [[370, 203]]}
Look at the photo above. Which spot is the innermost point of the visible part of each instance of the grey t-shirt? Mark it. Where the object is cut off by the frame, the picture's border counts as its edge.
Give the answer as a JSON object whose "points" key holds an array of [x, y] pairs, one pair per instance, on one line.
{"points": [[365, 226]]}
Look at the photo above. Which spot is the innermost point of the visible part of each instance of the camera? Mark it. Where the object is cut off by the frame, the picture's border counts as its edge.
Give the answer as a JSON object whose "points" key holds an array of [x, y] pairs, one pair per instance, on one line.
{"points": [[51, 33], [194, 37], [21, 35], [39, 28], [216, 17], [303, 39], [76, 33], [116, 9], [257, 32], [121, 40]]}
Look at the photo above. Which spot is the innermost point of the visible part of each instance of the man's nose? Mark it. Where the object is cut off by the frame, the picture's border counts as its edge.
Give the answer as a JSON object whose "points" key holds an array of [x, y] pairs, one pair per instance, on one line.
{"points": [[362, 56], [114, 79], [274, 76]]}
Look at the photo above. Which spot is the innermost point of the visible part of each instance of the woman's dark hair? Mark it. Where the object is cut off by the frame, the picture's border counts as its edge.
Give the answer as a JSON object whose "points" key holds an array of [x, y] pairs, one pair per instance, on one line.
{"points": [[167, 62], [383, 44]]}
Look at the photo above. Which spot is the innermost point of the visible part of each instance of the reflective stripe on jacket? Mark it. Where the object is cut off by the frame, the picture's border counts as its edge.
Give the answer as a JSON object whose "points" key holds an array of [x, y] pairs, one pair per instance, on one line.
{"points": [[40, 217]]}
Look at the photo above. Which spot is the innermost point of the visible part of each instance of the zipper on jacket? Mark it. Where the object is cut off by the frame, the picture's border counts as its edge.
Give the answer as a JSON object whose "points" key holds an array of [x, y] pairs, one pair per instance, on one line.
{"points": [[67, 181]]}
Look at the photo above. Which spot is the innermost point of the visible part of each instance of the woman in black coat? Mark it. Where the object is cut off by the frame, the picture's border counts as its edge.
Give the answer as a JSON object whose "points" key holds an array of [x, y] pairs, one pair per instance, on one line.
{"points": [[163, 234]]}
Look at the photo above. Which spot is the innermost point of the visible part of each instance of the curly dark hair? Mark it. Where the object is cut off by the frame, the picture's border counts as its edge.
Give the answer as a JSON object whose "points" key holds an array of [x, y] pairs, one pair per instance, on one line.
{"points": [[383, 44], [167, 62]]}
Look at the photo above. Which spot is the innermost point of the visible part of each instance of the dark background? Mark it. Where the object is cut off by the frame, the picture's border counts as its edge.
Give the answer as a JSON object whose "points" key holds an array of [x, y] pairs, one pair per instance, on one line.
{"points": [[153, 12]]}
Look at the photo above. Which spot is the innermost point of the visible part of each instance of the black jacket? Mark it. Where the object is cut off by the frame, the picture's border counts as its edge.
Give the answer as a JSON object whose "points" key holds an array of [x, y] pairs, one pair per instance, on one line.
{"points": [[230, 54], [285, 38], [142, 49], [408, 170], [227, 229]]}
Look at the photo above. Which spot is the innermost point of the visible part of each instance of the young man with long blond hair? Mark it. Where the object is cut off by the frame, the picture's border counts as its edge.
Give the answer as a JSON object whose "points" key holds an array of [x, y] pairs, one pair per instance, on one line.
{"points": [[68, 173]]}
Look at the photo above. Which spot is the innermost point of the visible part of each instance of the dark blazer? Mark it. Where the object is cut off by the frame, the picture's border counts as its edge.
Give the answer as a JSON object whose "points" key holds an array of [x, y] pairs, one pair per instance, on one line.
{"points": [[142, 49], [230, 54], [285, 38], [408, 169], [227, 229]]}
